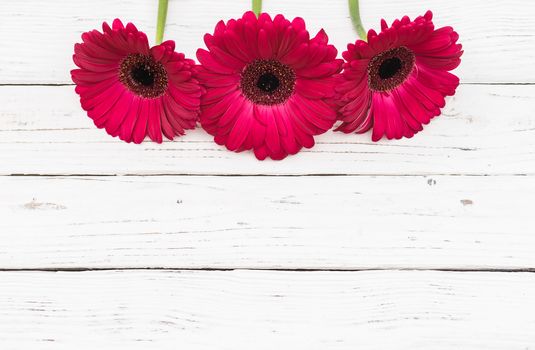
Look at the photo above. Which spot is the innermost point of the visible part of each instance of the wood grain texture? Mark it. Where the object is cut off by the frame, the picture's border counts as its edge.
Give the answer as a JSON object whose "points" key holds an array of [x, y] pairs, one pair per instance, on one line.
{"points": [[38, 37], [486, 130], [267, 222], [418, 310]]}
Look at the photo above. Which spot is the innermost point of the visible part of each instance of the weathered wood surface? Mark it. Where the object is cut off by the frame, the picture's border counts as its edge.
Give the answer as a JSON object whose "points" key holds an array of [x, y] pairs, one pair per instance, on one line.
{"points": [[413, 310], [484, 130], [38, 36], [348, 222]]}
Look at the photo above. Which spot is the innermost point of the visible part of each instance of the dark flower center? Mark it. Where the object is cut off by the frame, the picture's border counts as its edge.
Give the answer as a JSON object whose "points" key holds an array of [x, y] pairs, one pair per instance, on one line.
{"points": [[267, 82], [142, 75], [390, 68]]}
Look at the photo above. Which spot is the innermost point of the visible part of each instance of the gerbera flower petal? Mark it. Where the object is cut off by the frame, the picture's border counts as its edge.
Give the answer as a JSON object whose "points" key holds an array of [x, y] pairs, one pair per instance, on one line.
{"points": [[241, 128], [154, 124], [133, 90], [315, 89], [140, 127], [266, 85], [121, 110]]}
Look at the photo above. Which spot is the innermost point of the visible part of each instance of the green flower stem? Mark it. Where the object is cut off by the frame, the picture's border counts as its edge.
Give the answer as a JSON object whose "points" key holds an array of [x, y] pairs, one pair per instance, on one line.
{"points": [[257, 7], [160, 25], [355, 18]]}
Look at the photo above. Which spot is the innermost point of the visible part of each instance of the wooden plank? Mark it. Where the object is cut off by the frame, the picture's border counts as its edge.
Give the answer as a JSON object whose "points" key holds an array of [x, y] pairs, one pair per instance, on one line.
{"points": [[308, 222], [266, 310], [484, 130], [38, 37]]}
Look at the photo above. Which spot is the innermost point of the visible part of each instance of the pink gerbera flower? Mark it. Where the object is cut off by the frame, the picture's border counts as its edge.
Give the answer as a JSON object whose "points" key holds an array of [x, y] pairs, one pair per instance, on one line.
{"points": [[397, 81], [132, 90], [267, 85]]}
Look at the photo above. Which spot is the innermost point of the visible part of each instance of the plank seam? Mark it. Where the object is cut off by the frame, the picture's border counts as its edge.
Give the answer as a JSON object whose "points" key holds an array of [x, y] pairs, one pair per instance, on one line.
{"points": [[223, 269], [462, 83], [271, 175]]}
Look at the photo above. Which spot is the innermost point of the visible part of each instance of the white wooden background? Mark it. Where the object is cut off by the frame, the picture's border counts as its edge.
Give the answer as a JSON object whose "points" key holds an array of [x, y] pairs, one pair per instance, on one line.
{"points": [[426, 243]]}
